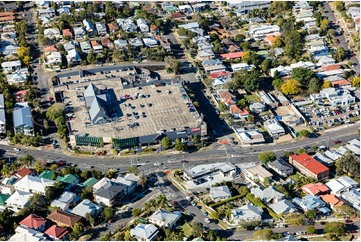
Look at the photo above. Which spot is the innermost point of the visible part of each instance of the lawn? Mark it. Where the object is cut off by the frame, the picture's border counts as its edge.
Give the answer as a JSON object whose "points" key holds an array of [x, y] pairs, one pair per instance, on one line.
{"points": [[252, 98], [187, 229]]}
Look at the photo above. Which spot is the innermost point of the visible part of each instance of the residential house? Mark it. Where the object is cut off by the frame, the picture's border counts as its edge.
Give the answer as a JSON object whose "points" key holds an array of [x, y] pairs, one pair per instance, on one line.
{"points": [[7, 17], [69, 180], [246, 213], [66, 200], [326, 60], [22, 119], [268, 195], [337, 97], [101, 28], [2, 115], [10, 66], [67, 34], [206, 54], [186, 9], [154, 29], [219, 193], [249, 136], [281, 167], [352, 198], [150, 42], [332, 200], [258, 173], [7, 185], [309, 166], [130, 181], [110, 193], [341, 185], [89, 27], [283, 207], [194, 172], [57, 233], [164, 43], [226, 97], [33, 184], [47, 174], [121, 43], [244, 7], [136, 42], [18, 200], [96, 104], [85, 47], [237, 112], [143, 25], [257, 107], [260, 32], [310, 202], [79, 33], [52, 33], [274, 128], [315, 189], [8, 48], [98, 48], [213, 65], [113, 27], [73, 57], [242, 66], [163, 218], [17, 77], [63, 219], [144, 232], [194, 27], [71, 45], [90, 182], [35, 222], [179, 16], [267, 99], [127, 25], [106, 42], [26, 234], [54, 59], [3, 199], [86, 207], [48, 12], [354, 12], [22, 172]]}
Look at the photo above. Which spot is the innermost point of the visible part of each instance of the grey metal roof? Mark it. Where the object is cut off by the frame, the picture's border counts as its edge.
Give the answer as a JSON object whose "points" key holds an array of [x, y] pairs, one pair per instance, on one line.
{"points": [[96, 104], [22, 117], [2, 104], [281, 165], [2, 116], [283, 206], [86, 207], [165, 216], [110, 190]]}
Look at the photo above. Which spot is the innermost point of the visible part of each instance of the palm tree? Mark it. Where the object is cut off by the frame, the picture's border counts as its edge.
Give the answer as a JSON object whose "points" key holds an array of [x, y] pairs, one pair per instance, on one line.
{"points": [[142, 181], [6, 171]]}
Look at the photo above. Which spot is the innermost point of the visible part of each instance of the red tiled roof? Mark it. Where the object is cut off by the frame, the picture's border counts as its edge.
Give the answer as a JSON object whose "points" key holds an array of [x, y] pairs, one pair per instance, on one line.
{"points": [[341, 83], [50, 48], [7, 18], [23, 172], [225, 95], [113, 26], [233, 48], [332, 199], [56, 232], [33, 221], [331, 67], [67, 32], [309, 163], [95, 43], [232, 55], [315, 189], [21, 93], [270, 38], [218, 74], [236, 110], [178, 15], [154, 27], [2, 14]]}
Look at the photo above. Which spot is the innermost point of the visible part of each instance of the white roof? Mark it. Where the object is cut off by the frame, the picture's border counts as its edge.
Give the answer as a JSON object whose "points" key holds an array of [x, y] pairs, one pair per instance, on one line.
{"points": [[274, 126], [100, 183], [86, 207], [26, 234], [64, 200], [11, 63], [353, 148], [247, 212], [283, 206], [19, 198], [144, 231], [189, 25], [219, 192], [165, 216], [33, 184]]}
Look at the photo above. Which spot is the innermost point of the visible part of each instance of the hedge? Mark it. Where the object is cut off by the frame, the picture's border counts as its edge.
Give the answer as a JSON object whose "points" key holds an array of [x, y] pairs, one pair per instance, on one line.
{"points": [[225, 201]]}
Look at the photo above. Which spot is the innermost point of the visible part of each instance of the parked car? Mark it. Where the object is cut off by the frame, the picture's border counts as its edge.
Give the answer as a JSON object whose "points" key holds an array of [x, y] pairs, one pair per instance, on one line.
{"points": [[207, 220]]}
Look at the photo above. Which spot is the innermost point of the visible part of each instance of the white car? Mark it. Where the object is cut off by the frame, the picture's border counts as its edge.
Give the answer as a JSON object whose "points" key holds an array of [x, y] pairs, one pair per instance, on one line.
{"points": [[193, 203], [16, 149], [111, 64], [157, 164], [207, 220]]}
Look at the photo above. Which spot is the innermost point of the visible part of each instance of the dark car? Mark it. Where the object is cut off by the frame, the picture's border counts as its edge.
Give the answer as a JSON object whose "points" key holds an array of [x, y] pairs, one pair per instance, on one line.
{"points": [[337, 142]]}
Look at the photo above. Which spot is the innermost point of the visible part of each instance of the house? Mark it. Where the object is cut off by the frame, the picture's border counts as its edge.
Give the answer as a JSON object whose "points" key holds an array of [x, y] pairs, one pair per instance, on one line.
{"points": [[163, 218], [86, 207], [154, 29], [283, 207], [65, 200], [288, 237], [47, 174], [186, 9], [7, 48], [3, 199], [69, 180], [238, 112], [260, 32], [127, 25], [34, 222], [110, 193], [67, 34], [205, 54], [258, 173], [150, 42], [18, 200], [71, 45], [90, 182], [267, 98], [17, 77], [48, 12], [136, 42], [63, 219], [96, 104], [33, 184], [79, 33], [213, 65], [257, 107], [194, 172], [242, 66], [54, 59], [332, 200], [326, 60], [244, 7], [142, 25], [341, 184], [194, 27], [85, 47], [337, 97], [101, 28], [310, 202], [113, 27], [352, 197], [22, 119], [73, 57], [164, 43], [226, 97], [52, 33], [281, 167], [274, 128], [219, 193], [249, 136], [179, 16], [333, 155], [26, 234], [309, 166], [315, 189], [98, 48], [22, 172], [89, 27], [144, 232], [268, 195], [57, 233], [106, 42], [246, 213], [10, 66], [130, 181], [121, 43]]}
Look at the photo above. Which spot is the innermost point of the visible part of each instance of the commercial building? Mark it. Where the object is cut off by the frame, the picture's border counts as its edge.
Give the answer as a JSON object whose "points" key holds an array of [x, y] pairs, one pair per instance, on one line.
{"points": [[274, 128], [249, 137], [337, 97], [309, 166], [194, 172]]}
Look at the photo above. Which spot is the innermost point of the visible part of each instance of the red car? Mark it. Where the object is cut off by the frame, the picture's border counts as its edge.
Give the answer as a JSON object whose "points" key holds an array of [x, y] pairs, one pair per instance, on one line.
{"points": [[51, 99], [337, 142]]}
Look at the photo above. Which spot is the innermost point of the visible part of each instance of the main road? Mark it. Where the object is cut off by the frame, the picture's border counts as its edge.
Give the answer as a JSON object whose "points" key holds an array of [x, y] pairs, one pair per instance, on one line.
{"points": [[234, 154]]}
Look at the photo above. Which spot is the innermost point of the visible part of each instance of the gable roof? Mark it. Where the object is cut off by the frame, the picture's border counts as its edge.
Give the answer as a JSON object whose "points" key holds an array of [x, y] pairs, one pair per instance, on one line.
{"points": [[110, 190], [218, 74], [56, 232], [144, 231], [23, 172], [20, 198], [33, 221], [315, 189], [3, 198], [331, 67], [34, 183], [283, 206], [267, 194], [332, 199], [22, 117], [309, 163], [68, 178], [90, 182], [46, 174], [219, 192], [236, 110], [248, 212], [67, 32], [86, 207], [165, 216], [63, 218], [232, 55]]}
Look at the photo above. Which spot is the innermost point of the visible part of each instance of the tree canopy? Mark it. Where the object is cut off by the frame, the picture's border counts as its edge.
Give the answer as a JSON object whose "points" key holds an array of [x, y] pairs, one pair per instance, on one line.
{"points": [[337, 228], [348, 164], [291, 87], [267, 156], [303, 75], [55, 111], [248, 80]]}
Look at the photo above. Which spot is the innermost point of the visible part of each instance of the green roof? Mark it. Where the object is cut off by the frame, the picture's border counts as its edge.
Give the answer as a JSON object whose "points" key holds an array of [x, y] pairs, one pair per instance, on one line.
{"points": [[69, 178], [125, 143], [90, 182], [46, 174], [3, 198], [88, 140]]}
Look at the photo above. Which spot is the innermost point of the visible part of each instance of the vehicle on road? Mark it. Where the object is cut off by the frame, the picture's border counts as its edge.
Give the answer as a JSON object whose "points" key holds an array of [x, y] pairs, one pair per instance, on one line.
{"points": [[158, 163], [337, 142], [188, 198], [89, 167], [193, 203], [207, 220], [204, 213], [16, 149]]}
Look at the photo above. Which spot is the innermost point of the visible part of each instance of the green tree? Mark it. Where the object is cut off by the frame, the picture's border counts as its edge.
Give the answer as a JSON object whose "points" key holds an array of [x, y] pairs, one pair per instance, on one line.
{"points": [[197, 139], [87, 193], [301, 151], [295, 218], [303, 75], [294, 44], [78, 229], [324, 26], [166, 143], [26, 160], [197, 229], [142, 181], [291, 87], [340, 54], [91, 57], [327, 84], [90, 219], [250, 118], [214, 215], [310, 229], [239, 37], [340, 6], [267, 156], [211, 235], [304, 133], [172, 63], [265, 66], [55, 111], [277, 83], [348, 164], [7, 220], [222, 107], [277, 42], [356, 81], [108, 213], [310, 214], [133, 169], [127, 236], [314, 86], [263, 234], [337, 228], [248, 80], [179, 146], [136, 212]]}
